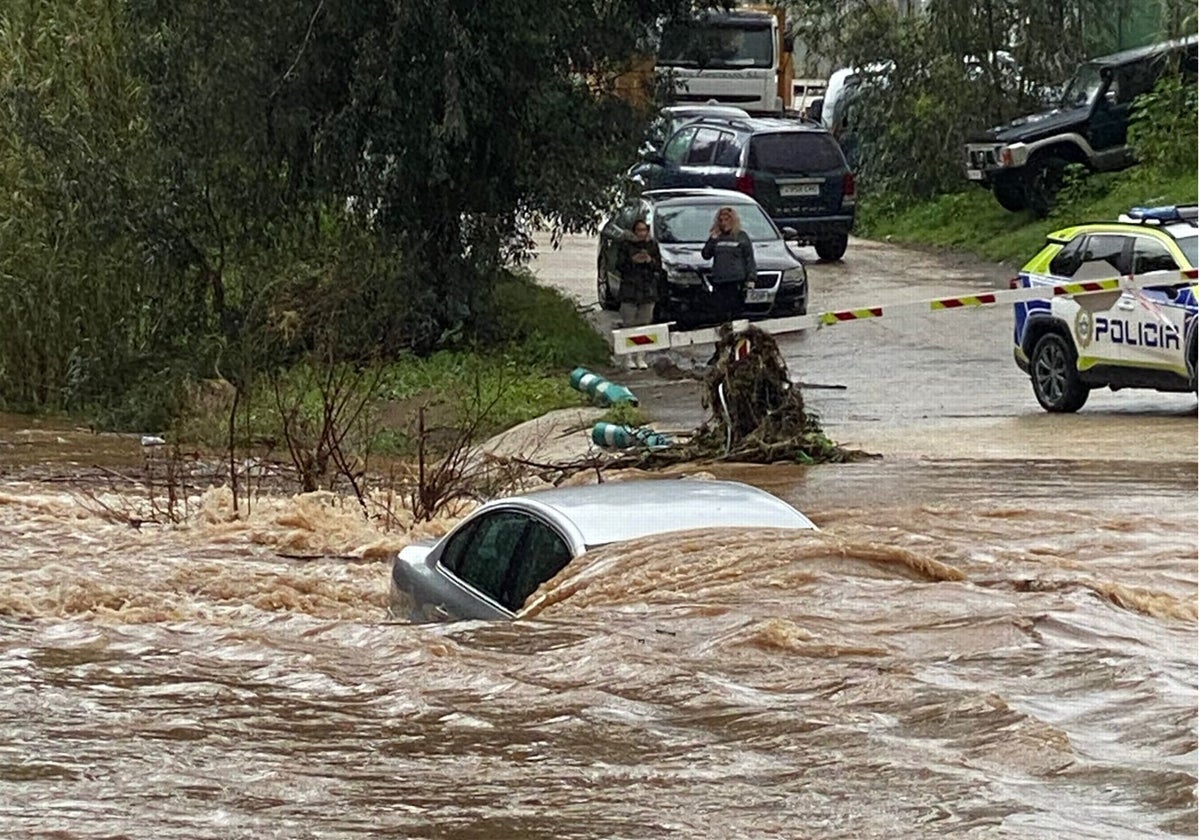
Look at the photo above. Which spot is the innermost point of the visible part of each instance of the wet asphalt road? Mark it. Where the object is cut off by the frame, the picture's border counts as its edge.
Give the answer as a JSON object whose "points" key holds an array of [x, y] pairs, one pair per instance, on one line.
{"points": [[935, 385]]}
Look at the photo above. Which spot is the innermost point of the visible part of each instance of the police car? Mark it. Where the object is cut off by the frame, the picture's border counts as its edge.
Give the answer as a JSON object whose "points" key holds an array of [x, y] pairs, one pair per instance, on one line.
{"points": [[1136, 338]]}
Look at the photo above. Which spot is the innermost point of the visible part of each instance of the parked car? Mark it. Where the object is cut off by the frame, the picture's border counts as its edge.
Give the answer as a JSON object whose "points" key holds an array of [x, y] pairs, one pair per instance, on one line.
{"points": [[674, 117], [493, 560], [1022, 163], [1136, 339], [680, 220], [793, 168]]}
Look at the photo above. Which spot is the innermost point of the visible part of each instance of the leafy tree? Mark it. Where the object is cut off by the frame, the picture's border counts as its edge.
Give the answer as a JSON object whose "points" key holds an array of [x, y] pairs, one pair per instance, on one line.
{"points": [[203, 187], [936, 78]]}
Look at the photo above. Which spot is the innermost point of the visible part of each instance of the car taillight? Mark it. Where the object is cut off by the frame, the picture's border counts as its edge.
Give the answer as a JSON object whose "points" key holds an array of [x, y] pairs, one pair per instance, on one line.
{"points": [[1014, 283], [848, 185], [745, 183], [1190, 273]]}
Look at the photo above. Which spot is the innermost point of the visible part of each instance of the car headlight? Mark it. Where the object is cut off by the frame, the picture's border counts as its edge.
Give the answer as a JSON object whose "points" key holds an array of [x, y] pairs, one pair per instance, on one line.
{"points": [[795, 276]]}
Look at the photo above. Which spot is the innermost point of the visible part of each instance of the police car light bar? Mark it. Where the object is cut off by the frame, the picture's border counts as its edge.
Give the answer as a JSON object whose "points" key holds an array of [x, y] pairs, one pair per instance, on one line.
{"points": [[1167, 213]]}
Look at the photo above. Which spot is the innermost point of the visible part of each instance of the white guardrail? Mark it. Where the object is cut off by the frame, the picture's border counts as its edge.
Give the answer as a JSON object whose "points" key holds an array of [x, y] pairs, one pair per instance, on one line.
{"points": [[661, 337]]}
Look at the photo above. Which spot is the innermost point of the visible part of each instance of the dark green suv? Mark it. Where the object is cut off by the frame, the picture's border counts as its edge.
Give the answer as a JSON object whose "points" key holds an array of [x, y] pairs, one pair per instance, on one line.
{"points": [[794, 169]]}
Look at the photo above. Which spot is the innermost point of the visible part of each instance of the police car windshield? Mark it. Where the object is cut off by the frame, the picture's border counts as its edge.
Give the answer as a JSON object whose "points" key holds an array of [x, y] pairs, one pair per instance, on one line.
{"points": [[684, 223]]}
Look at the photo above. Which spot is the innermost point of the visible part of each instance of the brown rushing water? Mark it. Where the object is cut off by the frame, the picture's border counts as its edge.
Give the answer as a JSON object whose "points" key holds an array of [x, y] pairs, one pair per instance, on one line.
{"points": [[967, 649]]}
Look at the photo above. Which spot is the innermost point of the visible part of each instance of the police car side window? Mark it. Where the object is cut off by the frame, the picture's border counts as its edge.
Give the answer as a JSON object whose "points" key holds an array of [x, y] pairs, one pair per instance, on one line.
{"points": [[1067, 260], [1104, 256], [1151, 255], [678, 145]]}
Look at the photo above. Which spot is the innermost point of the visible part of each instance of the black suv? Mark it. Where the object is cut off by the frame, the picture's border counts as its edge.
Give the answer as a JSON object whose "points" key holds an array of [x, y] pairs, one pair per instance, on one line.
{"points": [[1023, 162], [794, 169]]}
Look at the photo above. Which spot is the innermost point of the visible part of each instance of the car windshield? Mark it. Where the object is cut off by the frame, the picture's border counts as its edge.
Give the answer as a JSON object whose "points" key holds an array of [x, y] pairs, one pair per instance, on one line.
{"points": [[1187, 244], [717, 45], [690, 223], [1082, 89]]}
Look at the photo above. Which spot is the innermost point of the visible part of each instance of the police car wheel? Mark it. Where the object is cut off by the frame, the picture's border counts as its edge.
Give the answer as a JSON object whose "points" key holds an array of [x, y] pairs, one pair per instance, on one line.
{"points": [[1055, 378]]}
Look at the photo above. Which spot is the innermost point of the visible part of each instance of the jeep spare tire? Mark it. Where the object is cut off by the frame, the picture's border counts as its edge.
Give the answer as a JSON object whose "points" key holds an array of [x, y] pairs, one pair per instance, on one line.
{"points": [[1055, 377]]}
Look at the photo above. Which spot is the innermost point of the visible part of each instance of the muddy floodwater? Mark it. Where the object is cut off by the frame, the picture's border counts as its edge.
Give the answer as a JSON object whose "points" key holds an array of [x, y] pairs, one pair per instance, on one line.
{"points": [[968, 648]]}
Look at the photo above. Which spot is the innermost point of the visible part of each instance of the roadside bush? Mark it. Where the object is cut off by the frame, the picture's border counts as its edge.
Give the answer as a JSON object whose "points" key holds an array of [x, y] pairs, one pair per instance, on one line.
{"points": [[1162, 127], [973, 221], [538, 324]]}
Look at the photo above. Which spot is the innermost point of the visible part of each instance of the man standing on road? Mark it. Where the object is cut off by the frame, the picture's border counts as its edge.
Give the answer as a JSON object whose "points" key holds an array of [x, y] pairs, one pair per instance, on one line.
{"points": [[639, 264], [733, 268]]}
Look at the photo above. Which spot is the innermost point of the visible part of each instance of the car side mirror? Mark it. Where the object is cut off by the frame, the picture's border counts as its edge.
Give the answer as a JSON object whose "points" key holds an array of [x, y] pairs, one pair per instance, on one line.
{"points": [[790, 234], [814, 109], [1110, 97]]}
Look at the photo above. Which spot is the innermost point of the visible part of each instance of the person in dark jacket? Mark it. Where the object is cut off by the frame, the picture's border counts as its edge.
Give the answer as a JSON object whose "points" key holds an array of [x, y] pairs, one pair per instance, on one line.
{"points": [[733, 269], [640, 266]]}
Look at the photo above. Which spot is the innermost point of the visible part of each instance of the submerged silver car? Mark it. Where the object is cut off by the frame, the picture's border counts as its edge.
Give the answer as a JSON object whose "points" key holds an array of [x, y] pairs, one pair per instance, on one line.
{"points": [[493, 560]]}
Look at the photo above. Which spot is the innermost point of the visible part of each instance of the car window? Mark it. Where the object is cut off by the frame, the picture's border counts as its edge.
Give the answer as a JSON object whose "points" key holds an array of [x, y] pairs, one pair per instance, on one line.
{"points": [[1151, 255], [728, 152], [627, 215], [675, 223], [1187, 244], [1135, 79], [703, 146], [457, 546], [541, 556], [482, 561], [1103, 257], [678, 145], [795, 153], [716, 45], [1082, 89], [1067, 260]]}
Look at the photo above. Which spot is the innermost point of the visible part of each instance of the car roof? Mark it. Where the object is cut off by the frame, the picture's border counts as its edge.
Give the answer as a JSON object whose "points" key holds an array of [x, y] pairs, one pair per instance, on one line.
{"points": [[1139, 53], [705, 108], [625, 510], [1179, 230], [676, 193], [764, 124]]}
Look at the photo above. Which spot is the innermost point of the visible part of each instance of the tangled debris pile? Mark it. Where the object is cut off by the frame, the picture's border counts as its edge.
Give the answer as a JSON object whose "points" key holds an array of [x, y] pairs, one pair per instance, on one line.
{"points": [[757, 416]]}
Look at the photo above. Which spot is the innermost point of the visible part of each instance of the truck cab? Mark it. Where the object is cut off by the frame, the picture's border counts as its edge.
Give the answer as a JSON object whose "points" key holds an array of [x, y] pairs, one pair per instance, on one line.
{"points": [[741, 58]]}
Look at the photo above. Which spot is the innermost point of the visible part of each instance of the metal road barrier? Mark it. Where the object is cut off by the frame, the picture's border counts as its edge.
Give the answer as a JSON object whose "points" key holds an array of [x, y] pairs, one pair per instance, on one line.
{"points": [[661, 337]]}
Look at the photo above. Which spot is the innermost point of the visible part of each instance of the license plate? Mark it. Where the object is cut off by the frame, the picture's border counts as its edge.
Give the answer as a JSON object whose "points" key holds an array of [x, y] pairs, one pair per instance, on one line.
{"points": [[975, 174], [758, 295], [799, 189]]}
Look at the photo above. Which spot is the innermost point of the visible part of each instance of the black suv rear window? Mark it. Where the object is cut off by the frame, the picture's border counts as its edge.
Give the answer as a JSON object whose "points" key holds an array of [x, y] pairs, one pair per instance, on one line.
{"points": [[795, 152]]}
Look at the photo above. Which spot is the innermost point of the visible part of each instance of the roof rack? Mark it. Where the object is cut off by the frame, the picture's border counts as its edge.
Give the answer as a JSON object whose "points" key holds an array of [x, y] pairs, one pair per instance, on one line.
{"points": [[1165, 214]]}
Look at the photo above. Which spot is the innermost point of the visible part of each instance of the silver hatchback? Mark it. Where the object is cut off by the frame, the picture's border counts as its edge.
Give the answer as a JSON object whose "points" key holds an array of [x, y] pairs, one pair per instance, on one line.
{"points": [[493, 560]]}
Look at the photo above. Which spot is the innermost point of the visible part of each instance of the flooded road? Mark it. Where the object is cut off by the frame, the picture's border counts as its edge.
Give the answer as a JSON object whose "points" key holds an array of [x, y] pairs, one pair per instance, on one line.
{"points": [[993, 635]]}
